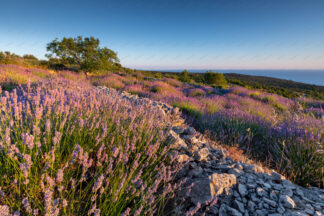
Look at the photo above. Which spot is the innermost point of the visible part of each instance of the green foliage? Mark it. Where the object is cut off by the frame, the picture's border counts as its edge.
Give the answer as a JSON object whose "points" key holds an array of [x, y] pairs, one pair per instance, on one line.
{"points": [[190, 109], [184, 76], [84, 53], [212, 78], [14, 59], [9, 58], [158, 75], [301, 162], [29, 56]]}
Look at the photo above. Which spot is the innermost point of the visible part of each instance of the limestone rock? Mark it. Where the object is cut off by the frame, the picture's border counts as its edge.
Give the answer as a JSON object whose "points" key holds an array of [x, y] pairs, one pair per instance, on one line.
{"points": [[202, 154], [221, 182], [236, 172], [260, 192], [287, 201], [175, 141], [277, 176], [201, 191], [183, 158]]}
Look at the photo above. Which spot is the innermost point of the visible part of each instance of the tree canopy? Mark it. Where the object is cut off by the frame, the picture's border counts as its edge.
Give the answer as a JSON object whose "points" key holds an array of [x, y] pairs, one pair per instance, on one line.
{"points": [[215, 78], [184, 76], [85, 53]]}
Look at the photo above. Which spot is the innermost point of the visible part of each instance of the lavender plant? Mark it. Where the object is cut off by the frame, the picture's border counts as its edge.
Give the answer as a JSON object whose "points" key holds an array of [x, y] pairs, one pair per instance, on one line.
{"points": [[72, 150]]}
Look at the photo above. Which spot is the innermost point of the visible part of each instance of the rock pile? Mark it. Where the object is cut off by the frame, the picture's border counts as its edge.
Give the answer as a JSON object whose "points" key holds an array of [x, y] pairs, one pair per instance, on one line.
{"points": [[215, 184], [240, 188]]}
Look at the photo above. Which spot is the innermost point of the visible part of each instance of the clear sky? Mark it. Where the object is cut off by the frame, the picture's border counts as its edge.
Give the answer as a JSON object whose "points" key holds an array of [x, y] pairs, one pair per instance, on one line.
{"points": [[176, 34]]}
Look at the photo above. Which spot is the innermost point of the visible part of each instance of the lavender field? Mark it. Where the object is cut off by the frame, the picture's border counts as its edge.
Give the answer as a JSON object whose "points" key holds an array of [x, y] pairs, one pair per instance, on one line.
{"points": [[286, 134], [72, 150], [68, 148]]}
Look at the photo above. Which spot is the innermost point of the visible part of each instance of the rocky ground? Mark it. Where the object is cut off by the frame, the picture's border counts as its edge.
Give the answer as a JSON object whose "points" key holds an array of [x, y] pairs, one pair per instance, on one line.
{"points": [[215, 184]]}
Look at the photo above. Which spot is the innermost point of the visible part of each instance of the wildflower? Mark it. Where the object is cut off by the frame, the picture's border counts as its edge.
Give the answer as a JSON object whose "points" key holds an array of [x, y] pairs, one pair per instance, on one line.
{"points": [[86, 162], [36, 211], [115, 152], [48, 126], [7, 137], [72, 183], [26, 205], [65, 203], [194, 211], [50, 181], [61, 188], [94, 210], [56, 138], [4, 210], [138, 183], [98, 184], [81, 122], [99, 158], [59, 176], [126, 212], [138, 211], [75, 153], [48, 201], [28, 140], [102, 190], [28, 160], [25, 169]]}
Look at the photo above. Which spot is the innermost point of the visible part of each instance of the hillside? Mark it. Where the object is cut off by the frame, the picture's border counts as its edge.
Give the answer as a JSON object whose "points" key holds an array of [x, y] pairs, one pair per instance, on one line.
{"points": [[286, 88], [129, 144], [283, 87]]}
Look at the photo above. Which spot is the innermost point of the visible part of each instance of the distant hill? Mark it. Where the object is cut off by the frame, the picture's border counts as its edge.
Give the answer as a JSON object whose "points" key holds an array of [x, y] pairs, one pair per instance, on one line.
{"points": [[286, 88], [283, 87]]}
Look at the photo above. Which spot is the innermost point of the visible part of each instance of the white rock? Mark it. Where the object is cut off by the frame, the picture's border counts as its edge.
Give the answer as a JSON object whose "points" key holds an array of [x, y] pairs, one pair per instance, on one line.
{"points": [[221, 182], [183, 158], [202, 154], [260, 192], [287, 201]]}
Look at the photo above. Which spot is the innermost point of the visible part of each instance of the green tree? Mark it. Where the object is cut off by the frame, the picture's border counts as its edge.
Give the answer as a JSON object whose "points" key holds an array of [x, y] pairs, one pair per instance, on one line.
{"points": [[84, 53], [184, 76], [158, 75], [212, 78]]}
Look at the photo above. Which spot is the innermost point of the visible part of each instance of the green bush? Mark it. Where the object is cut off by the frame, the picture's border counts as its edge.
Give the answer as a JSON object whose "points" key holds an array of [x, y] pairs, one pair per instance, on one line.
{"points": [[184, 76], [217, 79]]}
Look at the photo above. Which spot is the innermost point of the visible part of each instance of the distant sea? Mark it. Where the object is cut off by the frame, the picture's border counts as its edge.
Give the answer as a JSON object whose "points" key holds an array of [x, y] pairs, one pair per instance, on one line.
{"points": [[315, 77]]}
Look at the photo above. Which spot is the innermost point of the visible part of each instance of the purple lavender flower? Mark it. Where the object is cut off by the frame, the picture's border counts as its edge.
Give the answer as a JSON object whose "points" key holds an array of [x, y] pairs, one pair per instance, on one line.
{"points": [[98, 183]]}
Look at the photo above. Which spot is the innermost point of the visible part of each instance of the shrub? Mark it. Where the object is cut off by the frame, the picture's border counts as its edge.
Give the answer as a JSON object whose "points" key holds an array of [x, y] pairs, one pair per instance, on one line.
{"points": [[196, 92], [112, 81], [190, 108], [217, 79], [299, 155], [184, 76]]}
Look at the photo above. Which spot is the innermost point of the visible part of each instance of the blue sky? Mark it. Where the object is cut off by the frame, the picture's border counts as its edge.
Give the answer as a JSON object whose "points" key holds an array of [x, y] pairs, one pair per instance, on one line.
{"points": [[176, 34]]}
